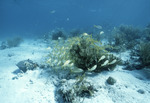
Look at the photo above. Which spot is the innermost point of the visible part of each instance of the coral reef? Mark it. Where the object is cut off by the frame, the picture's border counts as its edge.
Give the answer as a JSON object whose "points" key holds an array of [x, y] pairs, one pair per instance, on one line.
{"points": [[58, 34], [82, 54], [90, 55], [14, 42], [144, 54], [74, 91], [139, 57], [3, 45], [75, 32], [126, 37], [146, 32], [77, 56]]}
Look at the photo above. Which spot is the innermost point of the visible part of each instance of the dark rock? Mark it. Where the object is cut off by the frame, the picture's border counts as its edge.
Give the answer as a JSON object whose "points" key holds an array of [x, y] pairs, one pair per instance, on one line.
{"points": [[3, 45], [111, 81], [14, 78], [31, 82], [11, 54], [27, 65], [141, 91], [126, 86], [17, 71], [42, 66]]}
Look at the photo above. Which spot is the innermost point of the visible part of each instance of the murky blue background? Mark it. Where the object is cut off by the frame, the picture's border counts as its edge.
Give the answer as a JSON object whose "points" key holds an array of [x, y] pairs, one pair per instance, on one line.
{"points": [[25, 17]]}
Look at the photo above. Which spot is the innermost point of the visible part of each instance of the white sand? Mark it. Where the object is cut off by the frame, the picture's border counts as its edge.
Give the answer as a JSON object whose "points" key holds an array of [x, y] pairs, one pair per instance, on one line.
{"points": [[29, 87], [125, 89], [33, 87]]}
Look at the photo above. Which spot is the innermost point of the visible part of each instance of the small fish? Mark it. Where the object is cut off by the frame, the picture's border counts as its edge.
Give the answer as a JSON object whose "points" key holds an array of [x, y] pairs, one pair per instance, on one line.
{"points": [[53, 11], [93, 68], [55, 61], [105, 63], [49, 60], [98, 26], [63, 47], [85, 34], [58, 63], [101, 32], [76, 70], [60, 38], [114, 61], [49, 48], [102, 57], [66, 63], [71, 64], [67, 19]]}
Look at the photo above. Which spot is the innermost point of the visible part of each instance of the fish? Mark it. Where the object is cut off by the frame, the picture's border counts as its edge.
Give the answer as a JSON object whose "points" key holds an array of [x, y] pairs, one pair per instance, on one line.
{"points": [[98, 26], [76, 70], [71, 64], [114, 61], [85, 34], [66, 63], [53, 11], [102, 57], [49, 60], [105, 63], [93, 68], [101, 32], [49, 48], [67, 19], [58, 63]]}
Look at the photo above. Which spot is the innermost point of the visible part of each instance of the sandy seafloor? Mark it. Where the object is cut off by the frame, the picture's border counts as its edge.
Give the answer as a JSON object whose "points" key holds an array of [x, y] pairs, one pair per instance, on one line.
{"points": [[37, 87]]}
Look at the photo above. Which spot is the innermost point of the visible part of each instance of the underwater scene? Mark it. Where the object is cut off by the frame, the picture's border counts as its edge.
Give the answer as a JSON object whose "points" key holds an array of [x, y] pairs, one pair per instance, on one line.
{"points": [[74, 51]]}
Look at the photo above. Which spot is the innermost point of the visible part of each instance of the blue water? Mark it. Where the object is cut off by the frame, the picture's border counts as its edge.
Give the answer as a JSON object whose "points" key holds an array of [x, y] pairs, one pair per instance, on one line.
{"points": [[25, 17]]}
